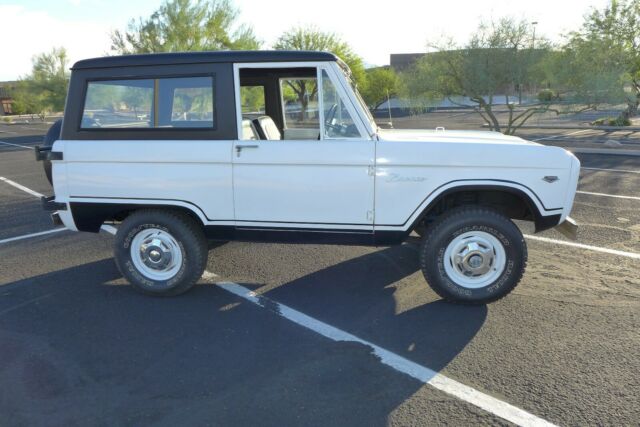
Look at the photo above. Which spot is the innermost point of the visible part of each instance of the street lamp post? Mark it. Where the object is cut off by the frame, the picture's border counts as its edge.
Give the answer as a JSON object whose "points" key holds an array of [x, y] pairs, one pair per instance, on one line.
{"points": [[533, 44]]}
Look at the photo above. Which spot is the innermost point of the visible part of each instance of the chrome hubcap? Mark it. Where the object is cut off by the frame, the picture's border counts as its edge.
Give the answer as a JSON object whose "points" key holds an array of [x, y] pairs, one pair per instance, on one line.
{"points": [[474, 259], [156, 254]]}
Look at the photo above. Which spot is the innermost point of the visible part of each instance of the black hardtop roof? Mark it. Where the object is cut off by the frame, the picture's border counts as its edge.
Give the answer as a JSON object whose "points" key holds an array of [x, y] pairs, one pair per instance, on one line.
{"points": [[232, 56]]}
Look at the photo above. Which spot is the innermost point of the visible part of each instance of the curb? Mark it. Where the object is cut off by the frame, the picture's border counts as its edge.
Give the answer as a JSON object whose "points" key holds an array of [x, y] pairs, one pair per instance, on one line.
{"points": [[632, 128], [612, 152]]}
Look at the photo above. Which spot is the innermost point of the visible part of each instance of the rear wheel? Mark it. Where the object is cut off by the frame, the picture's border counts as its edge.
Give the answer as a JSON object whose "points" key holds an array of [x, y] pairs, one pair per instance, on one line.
{"points": [[473, 255], [52, 135], [160, 252]]}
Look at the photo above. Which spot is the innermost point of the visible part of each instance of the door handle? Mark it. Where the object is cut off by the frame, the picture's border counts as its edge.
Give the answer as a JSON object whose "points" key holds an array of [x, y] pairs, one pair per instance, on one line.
{"points": [[240, 147]]}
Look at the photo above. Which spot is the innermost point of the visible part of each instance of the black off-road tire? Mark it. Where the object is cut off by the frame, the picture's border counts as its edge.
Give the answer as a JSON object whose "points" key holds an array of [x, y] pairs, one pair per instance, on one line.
{"points": [[52, 135], [189, 236], [471, 219]]}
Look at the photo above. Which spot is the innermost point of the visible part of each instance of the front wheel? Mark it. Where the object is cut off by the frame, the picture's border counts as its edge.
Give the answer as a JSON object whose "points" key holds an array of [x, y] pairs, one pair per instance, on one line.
{"points": [[160, 252], [473, 255]]}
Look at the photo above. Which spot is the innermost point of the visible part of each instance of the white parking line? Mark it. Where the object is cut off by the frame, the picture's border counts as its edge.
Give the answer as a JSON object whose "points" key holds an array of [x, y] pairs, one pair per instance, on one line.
{"points": [[401, 364], [610, 170], [21, 187], [617, 196], [583, 246], [28, 236], [16, 145], [105, 227], [561, 135], [109, 229]]}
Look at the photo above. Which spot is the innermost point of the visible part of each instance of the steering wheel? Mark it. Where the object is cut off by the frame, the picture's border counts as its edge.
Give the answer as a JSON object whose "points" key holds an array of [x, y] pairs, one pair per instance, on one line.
{"points": [[328, 119]]}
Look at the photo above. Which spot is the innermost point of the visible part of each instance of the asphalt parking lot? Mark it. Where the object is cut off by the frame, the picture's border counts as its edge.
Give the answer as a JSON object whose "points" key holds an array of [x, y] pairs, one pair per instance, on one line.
{"points": [[78, 346]]}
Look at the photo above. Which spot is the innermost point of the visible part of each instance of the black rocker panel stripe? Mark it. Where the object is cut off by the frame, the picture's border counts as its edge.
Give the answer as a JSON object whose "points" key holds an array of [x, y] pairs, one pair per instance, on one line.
{"points": [[518, 191]]}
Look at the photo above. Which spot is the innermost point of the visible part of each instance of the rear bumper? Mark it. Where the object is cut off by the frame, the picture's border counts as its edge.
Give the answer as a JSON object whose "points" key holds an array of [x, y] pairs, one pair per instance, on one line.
{"points": [[60, 213], [55, 219], [568, 227]]}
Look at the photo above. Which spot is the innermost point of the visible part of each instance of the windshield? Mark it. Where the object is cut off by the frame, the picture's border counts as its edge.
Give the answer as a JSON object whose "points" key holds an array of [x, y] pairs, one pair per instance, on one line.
{"points": [[347, 74]]}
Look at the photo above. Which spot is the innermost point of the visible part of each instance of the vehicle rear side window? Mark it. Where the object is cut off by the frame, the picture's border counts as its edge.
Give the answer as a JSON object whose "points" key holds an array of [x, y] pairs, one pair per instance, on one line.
{"points": [[118, 103], [176, 102]]}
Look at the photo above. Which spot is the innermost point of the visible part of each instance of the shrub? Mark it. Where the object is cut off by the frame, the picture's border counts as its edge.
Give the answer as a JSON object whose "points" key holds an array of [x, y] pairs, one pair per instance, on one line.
{"points": [[612, 121], [619, 121], [547, 95]]}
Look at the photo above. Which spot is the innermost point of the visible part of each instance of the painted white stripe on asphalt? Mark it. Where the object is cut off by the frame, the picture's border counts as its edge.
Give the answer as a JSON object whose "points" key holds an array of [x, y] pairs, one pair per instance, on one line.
{"points": [[611, 170], [583, 246], [21, 187], [401, 364], [617, 196], [28, 236], [561, 135], [109, 229], [16, 145]]}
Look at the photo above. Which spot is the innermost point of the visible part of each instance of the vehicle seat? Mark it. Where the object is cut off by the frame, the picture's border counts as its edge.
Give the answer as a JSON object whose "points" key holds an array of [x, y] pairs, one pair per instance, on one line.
{"points": [[249, 131], [265, 126]]}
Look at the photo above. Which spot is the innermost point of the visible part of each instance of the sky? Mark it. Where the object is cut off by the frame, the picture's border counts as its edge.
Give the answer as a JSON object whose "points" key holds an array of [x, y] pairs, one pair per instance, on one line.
{"points": [[373, 29]]}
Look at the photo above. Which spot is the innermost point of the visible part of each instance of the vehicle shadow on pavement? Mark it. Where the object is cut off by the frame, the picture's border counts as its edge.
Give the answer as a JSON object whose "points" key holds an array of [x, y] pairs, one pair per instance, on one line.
{"points": [[365, 297], [77, 348]]}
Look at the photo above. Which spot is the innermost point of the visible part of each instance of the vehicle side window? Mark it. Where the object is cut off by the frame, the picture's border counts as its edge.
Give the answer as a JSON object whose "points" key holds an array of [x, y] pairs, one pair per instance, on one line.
{"points": [[176, 102], [185, 102], [300, 103], [118, 103], [337, 120]]}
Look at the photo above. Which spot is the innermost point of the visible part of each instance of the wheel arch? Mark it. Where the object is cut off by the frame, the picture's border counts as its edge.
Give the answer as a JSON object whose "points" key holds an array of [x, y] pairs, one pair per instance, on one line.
{"points": [[512, 201], [89, 216]]}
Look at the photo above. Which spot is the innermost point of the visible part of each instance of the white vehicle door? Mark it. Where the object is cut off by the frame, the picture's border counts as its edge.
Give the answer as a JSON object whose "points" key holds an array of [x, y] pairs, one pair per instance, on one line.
{"points": [[318, 174]]}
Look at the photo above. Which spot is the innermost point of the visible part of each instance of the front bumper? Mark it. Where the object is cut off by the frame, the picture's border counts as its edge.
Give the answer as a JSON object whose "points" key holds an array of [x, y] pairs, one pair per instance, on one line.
{"points": [[568, 228]]}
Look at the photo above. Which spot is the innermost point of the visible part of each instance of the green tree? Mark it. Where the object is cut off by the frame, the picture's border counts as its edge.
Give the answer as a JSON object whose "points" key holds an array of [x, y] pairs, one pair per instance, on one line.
{"points": [[382, 82], [610, 39], [45, 89], [186, 25], [499, 59], [311, 38], [586, 72]]}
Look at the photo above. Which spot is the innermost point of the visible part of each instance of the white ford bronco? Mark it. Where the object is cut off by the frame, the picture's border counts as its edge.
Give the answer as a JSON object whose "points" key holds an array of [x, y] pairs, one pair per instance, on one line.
{"points": [[179, 149]]}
